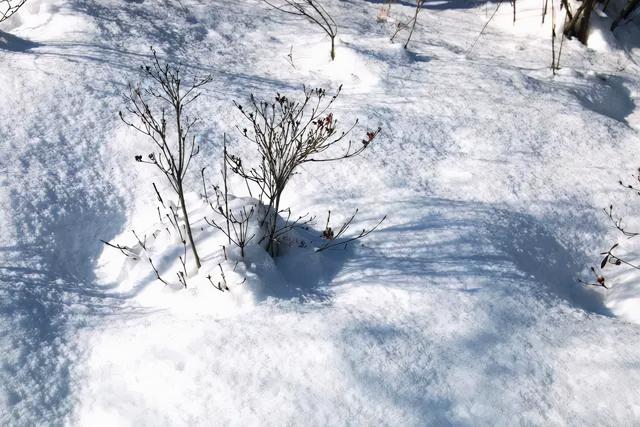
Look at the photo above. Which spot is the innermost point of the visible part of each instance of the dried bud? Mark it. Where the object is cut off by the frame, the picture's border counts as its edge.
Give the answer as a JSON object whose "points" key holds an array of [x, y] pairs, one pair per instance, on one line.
{"points": [[328, 234]]}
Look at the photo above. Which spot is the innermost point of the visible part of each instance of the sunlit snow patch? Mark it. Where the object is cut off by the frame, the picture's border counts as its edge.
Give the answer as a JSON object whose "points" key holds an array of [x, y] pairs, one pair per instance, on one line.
{"points": [[39, 20], [154, 267], [349, 67], [150, 265]]}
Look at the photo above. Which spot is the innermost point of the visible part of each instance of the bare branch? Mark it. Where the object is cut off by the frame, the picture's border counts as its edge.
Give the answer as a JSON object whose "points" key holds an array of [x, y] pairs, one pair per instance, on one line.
{"points": [[311, 10], [172, 156], [334, 239], [9, 7], [288, 133]]}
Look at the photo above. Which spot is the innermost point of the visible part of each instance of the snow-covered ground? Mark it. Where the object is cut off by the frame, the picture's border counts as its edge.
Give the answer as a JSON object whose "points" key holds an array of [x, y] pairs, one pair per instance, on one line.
{"points": [[463, 308]]}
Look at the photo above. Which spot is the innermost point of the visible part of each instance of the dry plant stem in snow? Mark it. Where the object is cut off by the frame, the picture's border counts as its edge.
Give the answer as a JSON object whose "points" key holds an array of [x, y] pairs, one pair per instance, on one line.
{"points": [[484, 27], [610, 258], [314, 12], [162, 101], [410, 24], [130, 253], [288, 133], [599, 282], [236, 224], [555, 59], [9, 7], [332, 236]]}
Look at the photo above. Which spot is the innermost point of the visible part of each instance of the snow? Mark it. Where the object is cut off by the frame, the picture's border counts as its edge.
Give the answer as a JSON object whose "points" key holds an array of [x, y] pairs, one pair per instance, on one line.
{"points": [[463, 308]]}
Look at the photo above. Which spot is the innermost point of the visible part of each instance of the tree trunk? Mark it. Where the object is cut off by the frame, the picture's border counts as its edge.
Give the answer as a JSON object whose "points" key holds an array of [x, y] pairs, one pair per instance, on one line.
{"points": [[578, 26]]}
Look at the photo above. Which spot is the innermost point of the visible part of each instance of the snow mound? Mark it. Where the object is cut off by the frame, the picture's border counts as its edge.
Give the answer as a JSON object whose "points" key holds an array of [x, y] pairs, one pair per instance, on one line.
{"points": [[47, 20], [353, 69], [464, 309], [226, 284], [154, 267]]}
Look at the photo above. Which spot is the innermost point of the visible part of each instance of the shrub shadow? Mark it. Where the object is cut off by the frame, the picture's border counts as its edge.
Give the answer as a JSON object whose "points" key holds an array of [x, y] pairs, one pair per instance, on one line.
{"points": [[11, 43], [499, 276], [606, 95], [480, 243], [435, 4]]}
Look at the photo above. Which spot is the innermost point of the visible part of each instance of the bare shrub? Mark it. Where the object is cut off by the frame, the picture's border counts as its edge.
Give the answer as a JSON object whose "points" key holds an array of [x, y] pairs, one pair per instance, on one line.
{"points": [[409, 25], [610, 257], [555, 59], [288, 133], [165, 99], [136, 253], [336, 238], [311, 10]]}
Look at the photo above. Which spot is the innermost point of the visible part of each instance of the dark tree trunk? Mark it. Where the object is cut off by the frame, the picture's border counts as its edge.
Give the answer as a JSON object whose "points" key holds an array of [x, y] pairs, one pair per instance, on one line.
{"points": [[333, 48], [578, 26]]}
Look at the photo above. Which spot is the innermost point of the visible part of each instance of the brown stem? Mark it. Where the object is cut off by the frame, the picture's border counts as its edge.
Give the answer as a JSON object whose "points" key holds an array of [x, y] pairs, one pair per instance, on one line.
{"points": [[271, 248], [333, 48], [183, 205], [226, 189]]}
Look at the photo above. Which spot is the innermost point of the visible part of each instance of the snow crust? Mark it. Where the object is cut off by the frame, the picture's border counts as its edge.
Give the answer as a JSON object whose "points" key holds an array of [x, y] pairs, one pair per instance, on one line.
{"points": [[464, 308]]}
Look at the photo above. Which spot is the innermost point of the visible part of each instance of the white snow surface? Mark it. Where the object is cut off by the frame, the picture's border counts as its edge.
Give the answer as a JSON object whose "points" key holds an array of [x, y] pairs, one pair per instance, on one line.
{"points": [[462, 309]]}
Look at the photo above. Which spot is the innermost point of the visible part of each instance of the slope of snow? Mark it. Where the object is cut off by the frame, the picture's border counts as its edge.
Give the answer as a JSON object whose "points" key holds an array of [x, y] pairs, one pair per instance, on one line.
{"points": [[464, 308]]}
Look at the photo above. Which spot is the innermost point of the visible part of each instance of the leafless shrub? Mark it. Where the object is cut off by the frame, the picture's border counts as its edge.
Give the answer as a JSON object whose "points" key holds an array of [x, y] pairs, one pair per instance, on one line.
{"points": [[284, 227], [334, 239], [9, 7], [409, 25], [238, 223], [222, 284], [617, 223], [136, 255], [125, 250], [484, 27], [154, 105], [183, 274], [609, 257], [555, 59], [235, 225], [313, 11], [288, 133], [599, 282]]}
